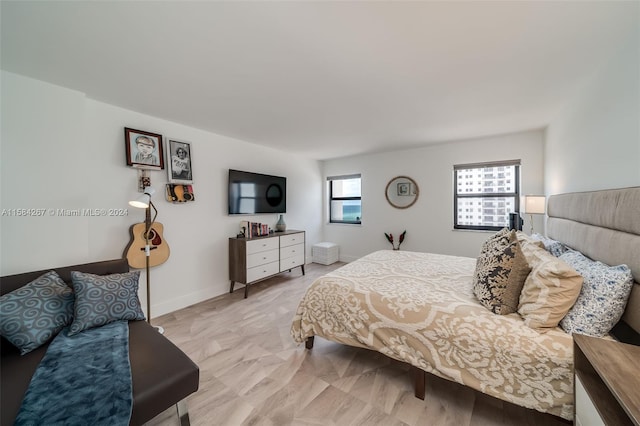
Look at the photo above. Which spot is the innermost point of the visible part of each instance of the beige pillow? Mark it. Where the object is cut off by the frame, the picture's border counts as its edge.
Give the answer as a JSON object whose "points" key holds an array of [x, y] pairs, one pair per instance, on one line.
{"points": [[501, 270], [524, 237], [549, 291]]}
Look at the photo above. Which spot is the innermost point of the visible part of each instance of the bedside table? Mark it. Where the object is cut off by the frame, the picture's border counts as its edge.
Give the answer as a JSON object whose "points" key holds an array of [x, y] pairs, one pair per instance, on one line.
{"points": [[606, 382]]}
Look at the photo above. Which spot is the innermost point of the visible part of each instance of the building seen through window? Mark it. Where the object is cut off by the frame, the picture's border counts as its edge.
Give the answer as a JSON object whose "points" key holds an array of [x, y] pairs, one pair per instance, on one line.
{"points": [[485, 194]]}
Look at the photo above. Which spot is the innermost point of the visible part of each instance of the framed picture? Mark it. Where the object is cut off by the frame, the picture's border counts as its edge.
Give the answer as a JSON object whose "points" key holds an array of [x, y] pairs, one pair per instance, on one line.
{"points": [[179, 161], [144, 149], [404, 188]]}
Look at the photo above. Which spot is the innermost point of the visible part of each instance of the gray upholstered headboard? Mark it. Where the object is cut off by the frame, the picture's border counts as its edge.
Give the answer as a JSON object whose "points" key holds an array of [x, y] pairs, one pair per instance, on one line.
{"points": [[605, 226]]}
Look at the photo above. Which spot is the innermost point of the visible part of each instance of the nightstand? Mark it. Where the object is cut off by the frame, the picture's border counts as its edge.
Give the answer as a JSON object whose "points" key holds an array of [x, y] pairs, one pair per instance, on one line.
{"points": [[607, 382]]}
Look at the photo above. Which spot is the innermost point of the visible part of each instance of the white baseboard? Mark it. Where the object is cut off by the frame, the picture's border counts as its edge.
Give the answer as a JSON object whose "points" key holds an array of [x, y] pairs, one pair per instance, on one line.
{"points": [[181, 302]]}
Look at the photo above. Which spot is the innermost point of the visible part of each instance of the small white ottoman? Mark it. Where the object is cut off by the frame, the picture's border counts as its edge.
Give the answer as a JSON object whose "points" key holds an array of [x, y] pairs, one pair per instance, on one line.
{"points": [[325, 253]]}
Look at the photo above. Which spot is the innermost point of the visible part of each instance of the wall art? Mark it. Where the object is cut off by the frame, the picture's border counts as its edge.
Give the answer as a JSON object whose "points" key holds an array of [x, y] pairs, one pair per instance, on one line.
{"points": [[144, 149], [179, 161]]}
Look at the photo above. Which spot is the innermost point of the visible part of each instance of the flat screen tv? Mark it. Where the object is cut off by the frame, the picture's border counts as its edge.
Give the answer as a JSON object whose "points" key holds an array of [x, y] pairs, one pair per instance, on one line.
{"points": [[252, 193]]}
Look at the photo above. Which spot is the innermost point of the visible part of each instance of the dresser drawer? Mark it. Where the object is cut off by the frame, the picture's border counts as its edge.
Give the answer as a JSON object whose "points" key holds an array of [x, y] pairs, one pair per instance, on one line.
{"points": [[262, 244], [291, 262], [254, 259], [290, 251], [260, 258], [292, 239], [262, 271]]}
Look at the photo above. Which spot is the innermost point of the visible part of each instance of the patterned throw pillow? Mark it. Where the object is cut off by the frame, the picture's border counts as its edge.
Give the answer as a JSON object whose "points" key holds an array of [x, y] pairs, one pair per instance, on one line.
{"points": [[549, 291], [602, 299], [34, 313], [102, 299], [554, 247], [502, 234], [501, 270]]}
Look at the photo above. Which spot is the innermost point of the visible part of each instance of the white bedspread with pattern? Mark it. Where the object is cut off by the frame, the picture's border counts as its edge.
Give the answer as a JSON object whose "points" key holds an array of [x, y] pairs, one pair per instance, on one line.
{"points": [[419, 308]]}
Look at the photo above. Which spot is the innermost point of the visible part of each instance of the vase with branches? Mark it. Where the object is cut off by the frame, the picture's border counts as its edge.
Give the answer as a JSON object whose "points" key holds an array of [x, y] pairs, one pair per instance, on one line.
{"points": [[400, 239]]}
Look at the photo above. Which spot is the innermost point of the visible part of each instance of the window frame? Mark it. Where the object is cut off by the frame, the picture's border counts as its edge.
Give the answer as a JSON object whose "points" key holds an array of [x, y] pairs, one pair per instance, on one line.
{"points": [[330, 180], [515, 195]]}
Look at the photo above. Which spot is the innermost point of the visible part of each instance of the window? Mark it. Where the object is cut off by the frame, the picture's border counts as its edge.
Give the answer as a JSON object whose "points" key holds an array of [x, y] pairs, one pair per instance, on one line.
{"points": [[485, 194], [345, 201]]}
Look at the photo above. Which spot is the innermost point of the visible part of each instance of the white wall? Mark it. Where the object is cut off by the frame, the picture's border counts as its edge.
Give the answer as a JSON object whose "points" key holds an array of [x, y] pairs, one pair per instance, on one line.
{"points": [[41, 127], [594, 143], [429, 222], [60, 149]]}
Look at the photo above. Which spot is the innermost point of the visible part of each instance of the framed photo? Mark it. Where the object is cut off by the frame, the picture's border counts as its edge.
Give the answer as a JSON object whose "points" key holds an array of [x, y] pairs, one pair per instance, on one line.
{"points": [[144, 149], [404, 188], [179, 161]]}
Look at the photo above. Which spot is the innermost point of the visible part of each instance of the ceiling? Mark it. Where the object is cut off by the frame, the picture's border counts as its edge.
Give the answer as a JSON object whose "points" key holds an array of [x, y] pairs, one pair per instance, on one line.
{"points": [[323, 79]]}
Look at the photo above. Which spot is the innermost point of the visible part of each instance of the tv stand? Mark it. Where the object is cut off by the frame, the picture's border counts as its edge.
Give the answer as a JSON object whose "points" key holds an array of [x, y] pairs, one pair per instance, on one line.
{"points": [[255, 259]]}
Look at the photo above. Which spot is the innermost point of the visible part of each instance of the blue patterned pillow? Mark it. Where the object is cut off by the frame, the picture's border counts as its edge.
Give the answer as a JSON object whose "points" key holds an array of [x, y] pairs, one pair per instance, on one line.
{"points": [[554, 247], [102, 299], [602, 299], [34, 313]]}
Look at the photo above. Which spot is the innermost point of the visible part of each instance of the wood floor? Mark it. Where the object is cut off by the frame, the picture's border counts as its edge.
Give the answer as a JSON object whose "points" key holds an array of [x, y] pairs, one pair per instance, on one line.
{"points": [[253, 373]]}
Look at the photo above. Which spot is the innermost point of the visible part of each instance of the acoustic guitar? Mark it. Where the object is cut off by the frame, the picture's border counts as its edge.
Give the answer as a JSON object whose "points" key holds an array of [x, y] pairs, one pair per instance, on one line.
{"points": [[179, 193], [158, 247]]}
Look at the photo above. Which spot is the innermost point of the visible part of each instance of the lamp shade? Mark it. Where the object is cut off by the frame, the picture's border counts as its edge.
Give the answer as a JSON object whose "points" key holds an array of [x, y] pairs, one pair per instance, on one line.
{"points": [[534, 204], [142, 202]]}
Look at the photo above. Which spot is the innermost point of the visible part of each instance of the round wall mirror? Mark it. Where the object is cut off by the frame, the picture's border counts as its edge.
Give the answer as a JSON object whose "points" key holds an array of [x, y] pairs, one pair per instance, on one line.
{"points": [[402, 192]]}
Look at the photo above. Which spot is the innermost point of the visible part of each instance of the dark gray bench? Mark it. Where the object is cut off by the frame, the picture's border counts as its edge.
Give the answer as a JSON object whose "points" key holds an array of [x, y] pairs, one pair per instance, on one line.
{"points": [[162, 374]]}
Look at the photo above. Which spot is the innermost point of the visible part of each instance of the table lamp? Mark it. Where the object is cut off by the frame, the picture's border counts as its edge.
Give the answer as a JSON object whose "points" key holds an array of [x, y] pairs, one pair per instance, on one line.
{"points": [[534, 204]]}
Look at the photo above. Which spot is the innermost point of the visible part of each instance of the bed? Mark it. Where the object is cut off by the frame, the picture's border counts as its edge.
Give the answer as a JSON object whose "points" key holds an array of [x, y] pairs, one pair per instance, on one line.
{"points": [[420, 308]]}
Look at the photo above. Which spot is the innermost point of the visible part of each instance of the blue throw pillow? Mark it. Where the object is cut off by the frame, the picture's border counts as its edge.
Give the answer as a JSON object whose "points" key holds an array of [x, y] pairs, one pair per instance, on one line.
{"points": [[554, 247], [602, 299], [36, 312], [102, 299]]}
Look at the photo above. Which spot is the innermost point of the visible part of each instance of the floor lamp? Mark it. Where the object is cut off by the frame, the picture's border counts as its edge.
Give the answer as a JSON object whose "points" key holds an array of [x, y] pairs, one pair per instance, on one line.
{"points": [[534, 204], [144, 202]]}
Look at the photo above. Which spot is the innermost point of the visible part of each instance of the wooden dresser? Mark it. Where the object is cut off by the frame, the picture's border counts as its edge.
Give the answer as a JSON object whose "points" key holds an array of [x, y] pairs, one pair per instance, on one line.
{"points": [[254, 259], [607, 382]]}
